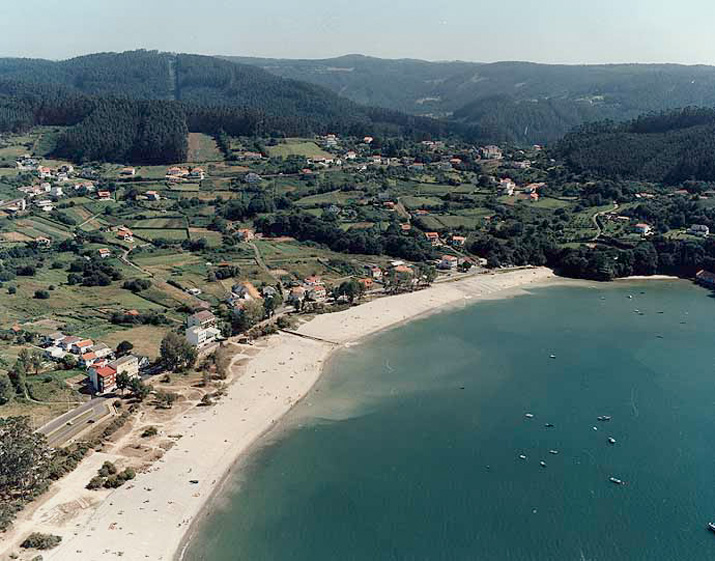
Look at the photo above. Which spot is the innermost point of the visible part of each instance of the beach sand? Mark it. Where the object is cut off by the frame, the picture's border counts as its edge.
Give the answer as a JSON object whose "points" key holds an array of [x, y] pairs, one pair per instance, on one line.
{"points": [[151, 517]]}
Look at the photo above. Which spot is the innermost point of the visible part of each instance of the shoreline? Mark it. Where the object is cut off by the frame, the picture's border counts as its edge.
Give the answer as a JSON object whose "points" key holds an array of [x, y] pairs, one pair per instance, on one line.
{"points": [[157, 515]]}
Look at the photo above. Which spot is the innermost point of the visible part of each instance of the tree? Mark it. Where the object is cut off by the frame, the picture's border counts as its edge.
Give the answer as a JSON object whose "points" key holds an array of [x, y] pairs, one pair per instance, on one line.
{"points": [[251, 313], [18, 378], [176, 353], [124, 347], [139, 389], [166, 400], [351, 289], [42, 294], [123, 381], [31, 360], [25, 459], [6, 389]]}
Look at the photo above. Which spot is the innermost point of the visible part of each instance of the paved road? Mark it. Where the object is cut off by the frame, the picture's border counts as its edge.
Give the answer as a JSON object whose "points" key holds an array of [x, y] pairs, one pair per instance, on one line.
{"points": [[66, 427]]}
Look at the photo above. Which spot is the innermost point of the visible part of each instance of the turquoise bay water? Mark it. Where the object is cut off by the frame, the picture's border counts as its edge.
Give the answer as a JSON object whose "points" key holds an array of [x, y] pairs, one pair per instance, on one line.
{"points": [[409, 449]]}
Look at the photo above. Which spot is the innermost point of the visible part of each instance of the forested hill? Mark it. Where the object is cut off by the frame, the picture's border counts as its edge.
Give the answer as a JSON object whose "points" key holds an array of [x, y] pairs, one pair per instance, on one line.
{"points": [[161, 95], [669, 147], [507, 101]]}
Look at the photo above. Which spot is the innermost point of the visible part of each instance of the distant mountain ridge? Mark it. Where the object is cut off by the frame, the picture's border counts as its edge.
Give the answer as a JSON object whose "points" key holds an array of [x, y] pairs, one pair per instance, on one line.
{"points": [[506, 101]]}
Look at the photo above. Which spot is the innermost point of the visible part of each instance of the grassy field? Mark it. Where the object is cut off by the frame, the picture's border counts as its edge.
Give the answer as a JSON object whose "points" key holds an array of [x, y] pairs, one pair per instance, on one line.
{"points": [[213, 238], [339, 198], [166, 233], [145, 338], [420, 202], [203, 148], [174, 222], [297, 147]]}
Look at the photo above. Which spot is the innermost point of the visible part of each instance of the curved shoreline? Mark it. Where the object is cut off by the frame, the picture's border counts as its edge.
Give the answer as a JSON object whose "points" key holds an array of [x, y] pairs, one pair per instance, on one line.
{"points": [[157, 516]]}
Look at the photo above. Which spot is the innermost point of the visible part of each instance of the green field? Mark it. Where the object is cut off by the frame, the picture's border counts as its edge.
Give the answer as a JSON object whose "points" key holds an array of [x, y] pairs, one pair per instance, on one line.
{"points": [[339, 198], [165, 233], [203, 148], [420, 202], [174, 222], [297, 147]]}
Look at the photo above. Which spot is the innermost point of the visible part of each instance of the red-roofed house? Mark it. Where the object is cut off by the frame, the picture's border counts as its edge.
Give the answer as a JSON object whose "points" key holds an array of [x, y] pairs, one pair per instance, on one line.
{"points": [[432, 237], [102, 378]]}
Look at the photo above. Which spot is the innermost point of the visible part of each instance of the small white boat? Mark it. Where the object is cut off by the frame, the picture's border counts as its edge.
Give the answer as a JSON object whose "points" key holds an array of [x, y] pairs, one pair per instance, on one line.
{"points": [[529, 415], [611, 440], [595, 428], [542, 464], [552, 356], [522, 457], [604, 418], [554, 452], [711, 526], [630, 297], [616, 481]]}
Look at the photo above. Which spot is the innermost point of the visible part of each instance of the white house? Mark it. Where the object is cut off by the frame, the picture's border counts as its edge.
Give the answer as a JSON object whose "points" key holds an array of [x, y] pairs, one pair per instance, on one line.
{"points": [[643, 229], [198, 337], [448, 263], [699, 230]]}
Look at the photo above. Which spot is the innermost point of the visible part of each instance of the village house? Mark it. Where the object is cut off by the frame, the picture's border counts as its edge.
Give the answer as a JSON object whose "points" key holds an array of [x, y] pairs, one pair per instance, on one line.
{"points": [[53, 339], [81, 347], [125, 234], [15, 205], [203, 319], [350, 155], [405, 228], [507, 186], [56, 191], [45, 172], [45, 205], [128, 172], [458, 241], [88, 359], [103, 379], [244, 292], [128, 364], [66, 343], [491, 152], [101, 350], [176, 173], [316, 293], [296, 295], [197, 174], [198, 337], [643, 229], [699, 230], [104, 195], [366, 283], [152, 196], [104, 252], [246, 234], [368, 140], [43, 242], [432, 237], [374, 271], [448, 263]]}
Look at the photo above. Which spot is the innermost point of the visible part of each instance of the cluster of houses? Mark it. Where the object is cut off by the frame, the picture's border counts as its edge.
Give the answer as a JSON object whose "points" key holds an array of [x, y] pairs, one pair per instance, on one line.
{"points": [[178, 174], [453, 240], [99, 359], [530, 192]]}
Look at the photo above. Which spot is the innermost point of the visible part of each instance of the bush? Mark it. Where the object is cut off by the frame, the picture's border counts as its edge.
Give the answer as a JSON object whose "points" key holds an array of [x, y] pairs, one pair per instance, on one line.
{"points": [[150, 431], [108, 468], [11, 289], [42, 294], [95, 483], [36, 540]]}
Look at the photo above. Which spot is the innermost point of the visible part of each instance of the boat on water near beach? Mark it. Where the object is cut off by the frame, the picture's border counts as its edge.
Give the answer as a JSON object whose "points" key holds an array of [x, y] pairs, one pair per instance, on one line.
{"points": [[611, 440], [529, 415], [549, 425], [542, 464], [604, 418], [711, 526], [616, 481], [554, 452]]}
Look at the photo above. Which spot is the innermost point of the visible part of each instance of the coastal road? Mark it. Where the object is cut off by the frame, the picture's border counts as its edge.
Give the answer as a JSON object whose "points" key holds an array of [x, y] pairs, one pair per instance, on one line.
{"points": [[64, 428]]}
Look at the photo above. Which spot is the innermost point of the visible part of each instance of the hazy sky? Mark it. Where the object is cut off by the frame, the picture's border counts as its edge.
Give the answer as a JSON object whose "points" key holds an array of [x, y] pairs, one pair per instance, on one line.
{"points": [[570, 31]]}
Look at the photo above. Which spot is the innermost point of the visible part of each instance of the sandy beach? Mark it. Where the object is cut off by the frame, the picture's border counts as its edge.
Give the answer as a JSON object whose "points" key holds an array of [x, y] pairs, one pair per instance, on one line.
{"points": [[150, 517]]}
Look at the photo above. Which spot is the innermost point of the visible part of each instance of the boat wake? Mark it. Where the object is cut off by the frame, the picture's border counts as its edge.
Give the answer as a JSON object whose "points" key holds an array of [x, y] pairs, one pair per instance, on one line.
{"points": [[633, 403]]}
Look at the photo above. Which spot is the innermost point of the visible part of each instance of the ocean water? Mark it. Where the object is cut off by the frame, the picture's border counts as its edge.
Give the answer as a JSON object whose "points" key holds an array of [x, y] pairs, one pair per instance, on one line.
{"points": [[409, 447]]}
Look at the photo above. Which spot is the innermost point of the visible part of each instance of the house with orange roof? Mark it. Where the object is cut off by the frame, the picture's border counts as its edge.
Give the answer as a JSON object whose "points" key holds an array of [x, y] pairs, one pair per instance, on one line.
{"points": [[458, 241], [104, 252], [432, 237], [104, 195], [103, 379]]}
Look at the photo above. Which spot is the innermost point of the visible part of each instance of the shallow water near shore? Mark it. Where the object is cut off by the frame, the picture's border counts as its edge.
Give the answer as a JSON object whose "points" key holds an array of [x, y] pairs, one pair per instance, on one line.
{"points": [[409, 447]]}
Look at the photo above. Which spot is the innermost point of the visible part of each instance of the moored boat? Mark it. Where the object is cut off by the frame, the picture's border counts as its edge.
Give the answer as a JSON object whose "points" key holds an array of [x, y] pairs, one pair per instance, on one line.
{"points": [[711, 526], [616, 481]]}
